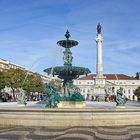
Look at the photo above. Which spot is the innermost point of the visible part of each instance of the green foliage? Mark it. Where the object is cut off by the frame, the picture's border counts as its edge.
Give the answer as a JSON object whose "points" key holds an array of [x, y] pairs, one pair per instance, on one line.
{"points": [[17, 78], [14, 79], [2, 81], [34, 83], [137, 92]]}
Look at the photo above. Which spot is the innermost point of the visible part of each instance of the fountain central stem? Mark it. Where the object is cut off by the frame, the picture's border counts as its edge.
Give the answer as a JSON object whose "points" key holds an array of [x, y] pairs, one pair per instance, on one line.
{"points": [[67, 57]]}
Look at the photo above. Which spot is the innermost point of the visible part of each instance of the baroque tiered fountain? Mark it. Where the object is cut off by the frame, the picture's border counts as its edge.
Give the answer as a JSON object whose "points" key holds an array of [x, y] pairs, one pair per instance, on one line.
{"points": [[68, 72]]}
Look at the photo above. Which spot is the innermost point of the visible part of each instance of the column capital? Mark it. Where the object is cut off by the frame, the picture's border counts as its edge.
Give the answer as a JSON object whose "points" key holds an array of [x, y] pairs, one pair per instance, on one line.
{"points": [[99, 38]]}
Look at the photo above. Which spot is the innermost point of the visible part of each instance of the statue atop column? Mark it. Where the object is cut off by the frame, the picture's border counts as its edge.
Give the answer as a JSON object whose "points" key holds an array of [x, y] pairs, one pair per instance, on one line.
{"points": [[99, 27]]}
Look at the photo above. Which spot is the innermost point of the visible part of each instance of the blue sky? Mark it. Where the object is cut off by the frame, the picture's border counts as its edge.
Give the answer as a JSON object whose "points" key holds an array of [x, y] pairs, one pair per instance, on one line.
{"points": [[29, 30]]}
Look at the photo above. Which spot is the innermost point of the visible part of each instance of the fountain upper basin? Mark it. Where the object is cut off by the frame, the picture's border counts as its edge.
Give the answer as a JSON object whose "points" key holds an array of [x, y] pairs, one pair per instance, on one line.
{"points": [[67, 43], [63, 71]]}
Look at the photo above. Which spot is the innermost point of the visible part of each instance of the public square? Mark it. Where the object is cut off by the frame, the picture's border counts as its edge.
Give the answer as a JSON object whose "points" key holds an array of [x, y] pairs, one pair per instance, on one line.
{"points": [[69, 70]]}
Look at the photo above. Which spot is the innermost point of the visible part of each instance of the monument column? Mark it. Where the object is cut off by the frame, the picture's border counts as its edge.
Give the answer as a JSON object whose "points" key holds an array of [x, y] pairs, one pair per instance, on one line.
{"points": [[99, 64], [100, 78]]}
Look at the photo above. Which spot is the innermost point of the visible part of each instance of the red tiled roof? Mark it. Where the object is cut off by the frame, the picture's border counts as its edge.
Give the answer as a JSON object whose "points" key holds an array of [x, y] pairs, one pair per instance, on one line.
{"points": [[109, 77]]}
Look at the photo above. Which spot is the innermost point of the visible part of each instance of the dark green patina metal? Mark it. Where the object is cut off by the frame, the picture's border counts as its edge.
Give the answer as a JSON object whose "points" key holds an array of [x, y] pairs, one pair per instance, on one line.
{"points": [[52, 97], [68, 72], [119, 99]]}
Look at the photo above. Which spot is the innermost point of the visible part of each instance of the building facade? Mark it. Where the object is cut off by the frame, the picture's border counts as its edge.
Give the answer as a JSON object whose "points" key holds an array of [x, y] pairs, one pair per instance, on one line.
{"points": [[112, 83], [5, 64]]}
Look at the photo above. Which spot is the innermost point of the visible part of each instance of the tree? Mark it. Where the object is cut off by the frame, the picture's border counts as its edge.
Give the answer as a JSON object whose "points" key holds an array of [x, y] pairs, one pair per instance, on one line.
{"points": [[17, 78], [2, 81], [34, 83], [137, 92], [14, 79]]}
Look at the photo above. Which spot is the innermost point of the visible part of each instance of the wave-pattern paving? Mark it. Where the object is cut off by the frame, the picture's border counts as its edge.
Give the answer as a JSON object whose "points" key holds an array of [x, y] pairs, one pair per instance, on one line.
{"points": [[70, 133]]}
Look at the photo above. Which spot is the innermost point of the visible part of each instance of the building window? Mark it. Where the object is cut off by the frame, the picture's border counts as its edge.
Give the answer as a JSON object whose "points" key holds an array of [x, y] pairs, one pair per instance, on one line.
{"points": [[133, 97], [129, 91], [113, 90], [79, 82], [124, 90], [87, 82], [87, 98]]}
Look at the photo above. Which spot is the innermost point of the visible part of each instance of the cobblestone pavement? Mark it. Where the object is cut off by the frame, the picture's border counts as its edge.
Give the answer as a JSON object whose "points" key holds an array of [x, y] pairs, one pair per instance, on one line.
{"points": [[71, 133]]}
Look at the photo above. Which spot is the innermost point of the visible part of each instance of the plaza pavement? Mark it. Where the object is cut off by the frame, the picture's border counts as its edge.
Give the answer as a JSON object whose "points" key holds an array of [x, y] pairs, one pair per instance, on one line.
{"points": [[70, 133]]}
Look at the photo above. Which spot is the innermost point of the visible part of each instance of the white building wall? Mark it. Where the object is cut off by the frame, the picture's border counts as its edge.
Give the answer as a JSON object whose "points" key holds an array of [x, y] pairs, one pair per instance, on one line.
{"points": [[129, 86]]}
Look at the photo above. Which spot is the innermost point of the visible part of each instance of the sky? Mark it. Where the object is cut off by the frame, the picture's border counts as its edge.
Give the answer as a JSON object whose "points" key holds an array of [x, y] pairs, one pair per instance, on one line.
{"points": [[29, 30]]}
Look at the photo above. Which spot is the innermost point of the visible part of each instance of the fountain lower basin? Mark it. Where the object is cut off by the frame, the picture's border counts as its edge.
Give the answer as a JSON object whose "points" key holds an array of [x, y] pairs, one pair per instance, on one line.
{"points": [[93, 114], [69, 117]]}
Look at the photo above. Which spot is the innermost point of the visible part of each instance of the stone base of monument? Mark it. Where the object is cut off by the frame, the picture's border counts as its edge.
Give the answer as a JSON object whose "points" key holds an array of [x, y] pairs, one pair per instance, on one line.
{"points": [[71, 104]]}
